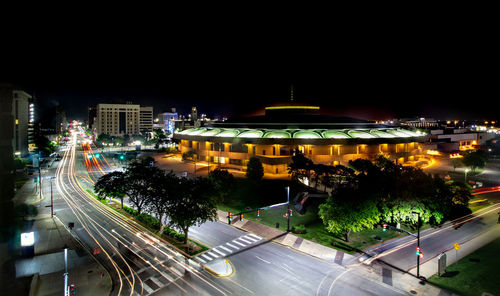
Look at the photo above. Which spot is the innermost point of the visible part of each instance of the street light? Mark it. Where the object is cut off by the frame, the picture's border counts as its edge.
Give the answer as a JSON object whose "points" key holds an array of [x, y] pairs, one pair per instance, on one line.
{"points": [[418, 243], [466, 171]]}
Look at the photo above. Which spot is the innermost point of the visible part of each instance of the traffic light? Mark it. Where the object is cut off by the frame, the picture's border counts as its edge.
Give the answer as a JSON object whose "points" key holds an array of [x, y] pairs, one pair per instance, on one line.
{"points": [[384, 227], [72, 290], [241, 217], [418, 251], [291, 212], [258, 213], [89, 156], [97, 155], [421, 254], [122, 157], [229, 218]]}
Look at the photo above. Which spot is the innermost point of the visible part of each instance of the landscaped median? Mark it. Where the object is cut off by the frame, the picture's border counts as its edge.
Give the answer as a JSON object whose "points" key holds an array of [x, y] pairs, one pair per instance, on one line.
{"points": [[152, 224]]}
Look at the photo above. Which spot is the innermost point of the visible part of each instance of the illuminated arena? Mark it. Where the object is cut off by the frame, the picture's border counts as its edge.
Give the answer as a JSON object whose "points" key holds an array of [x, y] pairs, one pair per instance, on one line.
{"points": [[273, 137]]}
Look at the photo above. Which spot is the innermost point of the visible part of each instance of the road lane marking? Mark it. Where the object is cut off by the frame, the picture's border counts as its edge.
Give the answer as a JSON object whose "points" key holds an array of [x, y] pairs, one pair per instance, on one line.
{"points": [[206, 257], [232, 246], [213, 255], [234, 241], [256, 236], [225, 249], [201, 260], [242, 239], [263, 260], [251, 238], [214, 249]]}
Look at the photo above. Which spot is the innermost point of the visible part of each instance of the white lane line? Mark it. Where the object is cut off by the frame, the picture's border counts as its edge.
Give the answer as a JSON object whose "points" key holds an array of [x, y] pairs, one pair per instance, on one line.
{"points": [[234, 241], [242, 239], [263, 260], [213, 255], [206, 257], [156, 281], [256, 236], [225, 249], [214, 249], [251, 238], [232, 246]]}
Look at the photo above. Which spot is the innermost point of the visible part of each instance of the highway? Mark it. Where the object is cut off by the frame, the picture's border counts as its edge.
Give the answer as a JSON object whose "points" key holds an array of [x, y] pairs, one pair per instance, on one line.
{"points": [[140, 264]]}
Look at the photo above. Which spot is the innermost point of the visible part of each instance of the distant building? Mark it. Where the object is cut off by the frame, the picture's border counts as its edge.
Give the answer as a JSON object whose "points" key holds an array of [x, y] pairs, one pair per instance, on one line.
{"points": [[146, 119], [168, 120], [21, 115], [194, 114], [117, 119], [92, 116], [422, 122]]}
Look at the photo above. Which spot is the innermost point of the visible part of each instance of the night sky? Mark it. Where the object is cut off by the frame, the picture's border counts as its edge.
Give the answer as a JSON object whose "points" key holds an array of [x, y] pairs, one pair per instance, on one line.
{"points": [[365, 71]]}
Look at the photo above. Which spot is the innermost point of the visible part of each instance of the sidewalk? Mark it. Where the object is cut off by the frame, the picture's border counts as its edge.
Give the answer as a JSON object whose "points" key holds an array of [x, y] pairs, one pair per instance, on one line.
{"points": [[46, 268]]}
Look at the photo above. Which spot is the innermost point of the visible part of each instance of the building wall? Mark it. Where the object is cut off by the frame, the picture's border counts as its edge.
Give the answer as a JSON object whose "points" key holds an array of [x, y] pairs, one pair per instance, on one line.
{"points": [[146, 119], [118, 119], [21, 114], [276, 157]]}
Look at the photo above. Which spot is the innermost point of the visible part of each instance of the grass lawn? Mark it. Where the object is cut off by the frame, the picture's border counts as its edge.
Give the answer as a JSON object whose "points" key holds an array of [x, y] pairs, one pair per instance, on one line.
{"points": [[475, 274], [246, 194]]}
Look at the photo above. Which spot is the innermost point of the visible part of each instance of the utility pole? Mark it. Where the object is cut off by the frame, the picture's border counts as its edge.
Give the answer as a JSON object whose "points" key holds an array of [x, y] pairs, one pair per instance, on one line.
{"points": [[66, 271]]}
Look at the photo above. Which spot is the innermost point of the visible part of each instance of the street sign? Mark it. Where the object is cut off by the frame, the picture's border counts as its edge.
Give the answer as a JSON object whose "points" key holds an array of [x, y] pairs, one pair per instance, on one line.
{"points": [[456, 246]]}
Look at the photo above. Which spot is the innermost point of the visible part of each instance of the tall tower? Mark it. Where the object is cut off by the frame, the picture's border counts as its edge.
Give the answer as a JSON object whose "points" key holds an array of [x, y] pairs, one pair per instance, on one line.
{"points": [[194, 114]]}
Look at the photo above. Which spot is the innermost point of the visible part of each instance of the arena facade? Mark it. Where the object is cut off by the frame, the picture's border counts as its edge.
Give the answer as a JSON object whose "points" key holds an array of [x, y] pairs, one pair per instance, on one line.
{"points": [[274, 136]]}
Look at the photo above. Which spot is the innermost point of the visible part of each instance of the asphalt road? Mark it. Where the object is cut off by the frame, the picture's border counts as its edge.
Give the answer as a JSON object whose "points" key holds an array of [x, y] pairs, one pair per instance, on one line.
{"points": [[140, 265]]}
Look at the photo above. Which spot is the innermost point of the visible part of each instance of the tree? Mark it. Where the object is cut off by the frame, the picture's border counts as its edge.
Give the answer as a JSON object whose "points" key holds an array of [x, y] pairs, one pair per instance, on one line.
{"points": [[141, 178], [193, 204], [113, 185], [300, 167], [165, 186], [343, 214], [255, 170], [223, 182], [474, 160]]}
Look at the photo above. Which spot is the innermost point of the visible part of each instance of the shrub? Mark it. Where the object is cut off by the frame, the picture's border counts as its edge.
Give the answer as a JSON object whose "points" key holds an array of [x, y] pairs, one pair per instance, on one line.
{"points": [[301, 229]]}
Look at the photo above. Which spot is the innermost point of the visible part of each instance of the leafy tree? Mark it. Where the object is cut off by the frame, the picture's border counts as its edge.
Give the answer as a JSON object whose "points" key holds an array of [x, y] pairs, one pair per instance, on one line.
{"points": [[193, 204], [343, 214], [474, 160], [223, 182], [141, 183], [165, 186], [255, 170], [300, 167], [112, 185]]}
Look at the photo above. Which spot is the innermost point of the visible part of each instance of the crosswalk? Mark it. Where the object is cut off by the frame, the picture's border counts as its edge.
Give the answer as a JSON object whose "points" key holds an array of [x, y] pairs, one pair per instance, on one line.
{"points": [[228, 248]]}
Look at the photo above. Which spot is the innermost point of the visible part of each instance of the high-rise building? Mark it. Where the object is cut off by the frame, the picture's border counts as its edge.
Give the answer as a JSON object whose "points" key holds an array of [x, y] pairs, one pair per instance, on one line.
{"points": [[168, 120], [117, 119], [92, 115], [146, 119], [194, 114], [21, 112]]}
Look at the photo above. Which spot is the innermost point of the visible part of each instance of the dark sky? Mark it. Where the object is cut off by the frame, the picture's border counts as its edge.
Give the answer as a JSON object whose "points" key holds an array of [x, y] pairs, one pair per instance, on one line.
{"points": [[374, 70]]}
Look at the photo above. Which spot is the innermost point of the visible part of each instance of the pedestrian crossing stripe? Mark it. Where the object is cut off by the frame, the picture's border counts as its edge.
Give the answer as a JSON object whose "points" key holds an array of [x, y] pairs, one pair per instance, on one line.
{"points": [[242, 239], [216, 251]]}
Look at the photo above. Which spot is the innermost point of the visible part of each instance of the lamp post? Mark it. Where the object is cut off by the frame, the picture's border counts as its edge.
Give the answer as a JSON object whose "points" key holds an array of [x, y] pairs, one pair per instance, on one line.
{"points": [[288, 208], [466, 171]]}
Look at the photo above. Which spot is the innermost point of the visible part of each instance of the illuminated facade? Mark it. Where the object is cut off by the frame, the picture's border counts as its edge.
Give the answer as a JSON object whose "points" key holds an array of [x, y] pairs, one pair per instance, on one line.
{"points": [[273, 137]]}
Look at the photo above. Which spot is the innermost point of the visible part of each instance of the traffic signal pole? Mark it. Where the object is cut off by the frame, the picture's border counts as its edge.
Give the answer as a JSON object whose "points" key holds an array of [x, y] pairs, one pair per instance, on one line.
{"points": [[418, 244], [288, 208]]}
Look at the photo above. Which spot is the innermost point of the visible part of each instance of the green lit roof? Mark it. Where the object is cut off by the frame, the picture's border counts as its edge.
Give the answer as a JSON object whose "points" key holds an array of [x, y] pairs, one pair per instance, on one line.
{"points": [[277, 134], [335, 134], [251, 134], [306, 135], [381, 133]]}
